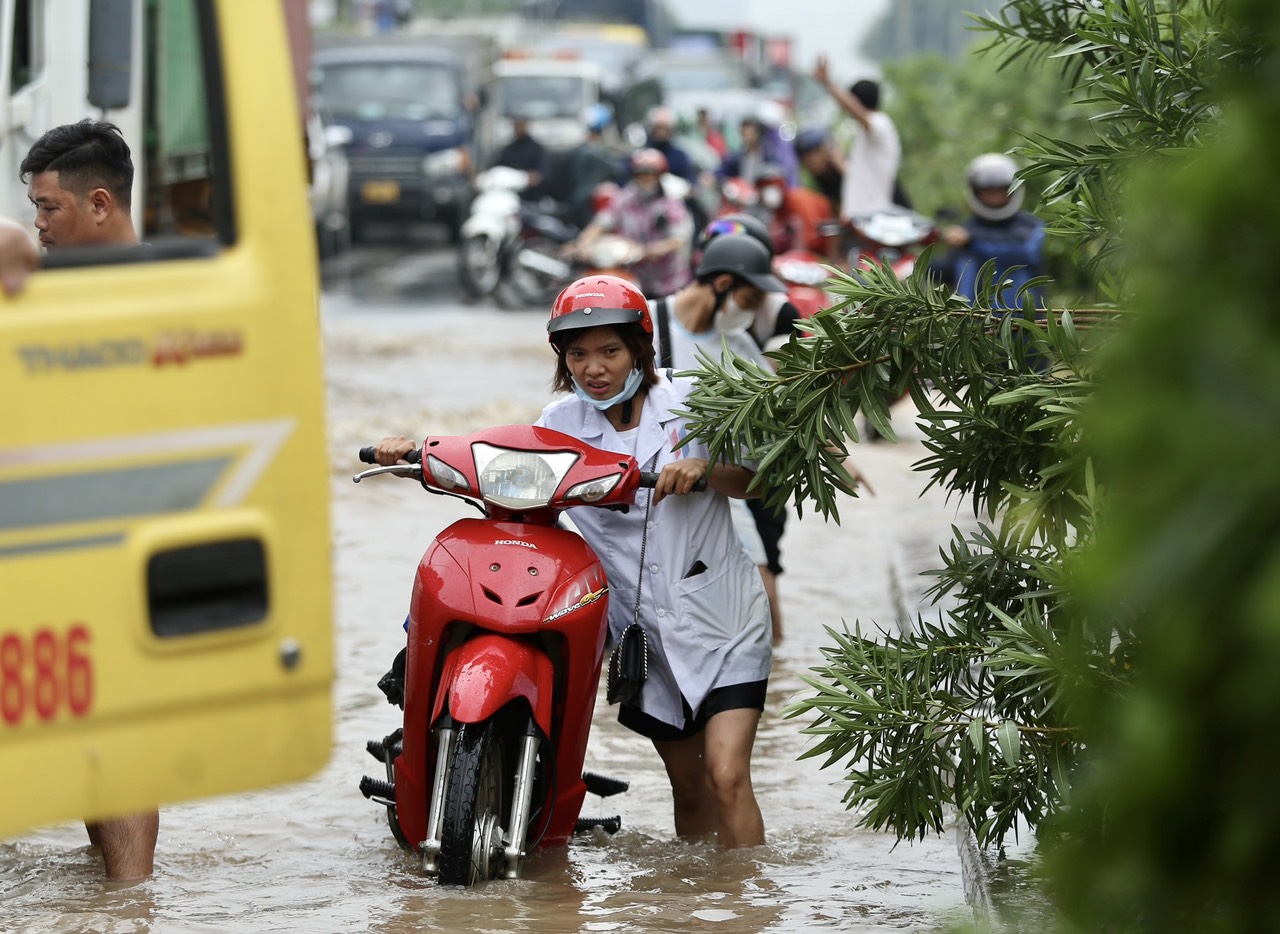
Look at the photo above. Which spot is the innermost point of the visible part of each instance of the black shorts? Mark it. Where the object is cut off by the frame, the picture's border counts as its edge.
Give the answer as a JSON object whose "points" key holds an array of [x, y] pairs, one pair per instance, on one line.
{"points": [[747, 695], [769, 523]]}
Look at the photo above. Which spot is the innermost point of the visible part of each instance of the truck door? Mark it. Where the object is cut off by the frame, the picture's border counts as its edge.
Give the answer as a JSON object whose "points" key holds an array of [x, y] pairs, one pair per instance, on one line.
{"points": [[164, 534]]}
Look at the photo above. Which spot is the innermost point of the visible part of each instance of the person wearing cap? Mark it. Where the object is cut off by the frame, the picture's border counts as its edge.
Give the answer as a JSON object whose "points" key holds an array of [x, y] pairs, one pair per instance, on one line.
{"points": [[711, 315]]}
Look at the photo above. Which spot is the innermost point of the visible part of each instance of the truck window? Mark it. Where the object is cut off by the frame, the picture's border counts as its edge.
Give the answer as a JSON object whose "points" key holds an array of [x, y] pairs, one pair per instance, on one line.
{"points": [[540, 97], [389, 90], [187, 191], [25, 58], [175, 125]]}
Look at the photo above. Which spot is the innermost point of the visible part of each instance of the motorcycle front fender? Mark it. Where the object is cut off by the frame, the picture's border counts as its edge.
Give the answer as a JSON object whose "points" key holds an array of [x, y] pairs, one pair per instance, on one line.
{"points": [[485, 225], [484, 674]]}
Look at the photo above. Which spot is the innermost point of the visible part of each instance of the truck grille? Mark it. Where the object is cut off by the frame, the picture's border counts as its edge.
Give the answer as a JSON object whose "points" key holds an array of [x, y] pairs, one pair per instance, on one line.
{"points": [[385, 165]]}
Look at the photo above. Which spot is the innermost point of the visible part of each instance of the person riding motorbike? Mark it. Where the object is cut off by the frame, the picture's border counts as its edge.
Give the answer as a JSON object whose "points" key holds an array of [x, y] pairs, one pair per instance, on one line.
{"points": [[998, 230], [657, 222], [762, 145], [525, 153], [589, 164], [660, 135], [798, 215]]}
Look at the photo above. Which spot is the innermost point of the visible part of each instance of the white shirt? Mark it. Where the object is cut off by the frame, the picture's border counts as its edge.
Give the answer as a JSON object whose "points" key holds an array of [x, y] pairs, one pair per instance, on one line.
{"points": [[872, 167], [713, 342], [685, 348], [706, 630]]}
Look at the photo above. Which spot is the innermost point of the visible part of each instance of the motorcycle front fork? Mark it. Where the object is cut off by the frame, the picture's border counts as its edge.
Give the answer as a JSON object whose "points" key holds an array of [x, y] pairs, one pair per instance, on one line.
{"points": [[521, 801]]}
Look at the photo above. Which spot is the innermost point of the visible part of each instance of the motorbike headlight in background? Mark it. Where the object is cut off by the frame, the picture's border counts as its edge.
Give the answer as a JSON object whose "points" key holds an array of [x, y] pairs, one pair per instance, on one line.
{"points": [[613, 252], [592, 491], [449, 162], [445, 476], [520, 479]]}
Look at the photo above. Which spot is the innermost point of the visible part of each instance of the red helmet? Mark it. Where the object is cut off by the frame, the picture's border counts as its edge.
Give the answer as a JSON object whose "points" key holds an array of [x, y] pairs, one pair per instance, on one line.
{"points": [[648, 160], [595, 300]]}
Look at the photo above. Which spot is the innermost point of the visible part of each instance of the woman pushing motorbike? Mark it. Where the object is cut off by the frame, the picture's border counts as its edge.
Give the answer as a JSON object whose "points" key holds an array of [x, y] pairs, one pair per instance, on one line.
{"points": [[674, 565]]}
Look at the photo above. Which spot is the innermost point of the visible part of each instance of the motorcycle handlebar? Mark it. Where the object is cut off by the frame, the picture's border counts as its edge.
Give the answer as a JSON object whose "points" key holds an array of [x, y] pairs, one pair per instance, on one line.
{"points": [[366, 456], [649, 479]]}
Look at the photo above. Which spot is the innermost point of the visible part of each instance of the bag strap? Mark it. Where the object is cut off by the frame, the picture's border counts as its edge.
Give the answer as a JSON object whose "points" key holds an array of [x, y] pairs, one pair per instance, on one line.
{"points": [[662, 311], [644, 540]]}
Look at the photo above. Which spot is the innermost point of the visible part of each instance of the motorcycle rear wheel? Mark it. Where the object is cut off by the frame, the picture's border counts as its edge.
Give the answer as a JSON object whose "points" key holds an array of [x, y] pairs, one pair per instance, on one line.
{"points": [[471, 835], [523, 287]]}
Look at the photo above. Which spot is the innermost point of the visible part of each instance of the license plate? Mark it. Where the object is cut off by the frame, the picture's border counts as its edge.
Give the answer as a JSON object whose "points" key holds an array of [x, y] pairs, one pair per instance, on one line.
{"points": [[380, 192]]}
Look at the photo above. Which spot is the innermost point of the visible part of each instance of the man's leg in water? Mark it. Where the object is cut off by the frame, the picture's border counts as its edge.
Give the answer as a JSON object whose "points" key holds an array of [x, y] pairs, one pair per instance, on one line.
{"points": [[128, 844]]}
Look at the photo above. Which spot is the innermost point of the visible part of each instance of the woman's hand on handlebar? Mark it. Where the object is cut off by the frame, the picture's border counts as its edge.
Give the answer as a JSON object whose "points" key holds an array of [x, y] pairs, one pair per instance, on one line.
{"points": [[392, 450], [678, 477]]}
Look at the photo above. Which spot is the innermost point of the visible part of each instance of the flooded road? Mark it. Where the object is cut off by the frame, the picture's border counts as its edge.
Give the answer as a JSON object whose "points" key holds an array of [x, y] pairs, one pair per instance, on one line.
{"points": [[405, 355]]}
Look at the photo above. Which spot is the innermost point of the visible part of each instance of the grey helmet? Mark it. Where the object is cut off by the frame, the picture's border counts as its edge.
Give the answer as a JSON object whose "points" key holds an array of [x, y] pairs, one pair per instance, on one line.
{"points": [[993, 170], [740, 255]]}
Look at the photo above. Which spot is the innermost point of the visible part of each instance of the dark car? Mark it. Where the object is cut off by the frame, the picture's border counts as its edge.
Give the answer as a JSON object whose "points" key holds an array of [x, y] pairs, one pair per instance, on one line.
{"points": [[411, 131]]}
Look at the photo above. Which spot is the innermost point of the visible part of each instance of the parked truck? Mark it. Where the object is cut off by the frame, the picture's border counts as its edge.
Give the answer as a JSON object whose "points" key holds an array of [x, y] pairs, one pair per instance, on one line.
{"points": [[164, 534], [410, 105]]}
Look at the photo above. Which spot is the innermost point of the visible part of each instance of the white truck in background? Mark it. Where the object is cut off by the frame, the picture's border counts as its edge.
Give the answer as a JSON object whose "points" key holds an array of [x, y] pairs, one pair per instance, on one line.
{"points": [[553, 94], [46, 66], [64, 60]]}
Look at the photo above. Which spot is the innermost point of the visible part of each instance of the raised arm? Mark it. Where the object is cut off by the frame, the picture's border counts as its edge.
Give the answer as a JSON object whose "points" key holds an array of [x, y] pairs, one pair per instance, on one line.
{"points": [[850, 104]]}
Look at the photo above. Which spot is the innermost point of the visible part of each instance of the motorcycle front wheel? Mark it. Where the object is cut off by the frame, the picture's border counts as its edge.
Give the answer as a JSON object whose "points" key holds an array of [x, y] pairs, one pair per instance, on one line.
{"points": [[471, 834], [478, 267]]}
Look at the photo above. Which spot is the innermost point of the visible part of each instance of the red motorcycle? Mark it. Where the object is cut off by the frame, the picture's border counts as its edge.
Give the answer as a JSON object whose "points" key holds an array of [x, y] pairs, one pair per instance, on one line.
{"points": [[506, 637], [892, 237], [805, 277]]}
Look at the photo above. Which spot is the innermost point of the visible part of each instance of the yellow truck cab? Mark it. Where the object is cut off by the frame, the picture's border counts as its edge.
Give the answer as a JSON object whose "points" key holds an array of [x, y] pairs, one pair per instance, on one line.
{"points": [[166, 627]]}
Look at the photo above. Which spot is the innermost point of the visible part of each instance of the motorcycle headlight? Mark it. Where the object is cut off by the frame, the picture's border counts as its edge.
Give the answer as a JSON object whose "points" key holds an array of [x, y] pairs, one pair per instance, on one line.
{"points": [[520, 479], [445, 476], [448, 162]]}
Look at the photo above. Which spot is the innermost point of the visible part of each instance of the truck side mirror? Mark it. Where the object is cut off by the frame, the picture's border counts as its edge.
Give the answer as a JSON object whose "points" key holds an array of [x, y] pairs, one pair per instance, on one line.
{"points": [[110, 53]]}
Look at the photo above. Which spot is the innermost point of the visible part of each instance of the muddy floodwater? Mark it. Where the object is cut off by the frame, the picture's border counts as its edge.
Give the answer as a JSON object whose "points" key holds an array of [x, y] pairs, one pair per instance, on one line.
{"points": [[317, 857]]}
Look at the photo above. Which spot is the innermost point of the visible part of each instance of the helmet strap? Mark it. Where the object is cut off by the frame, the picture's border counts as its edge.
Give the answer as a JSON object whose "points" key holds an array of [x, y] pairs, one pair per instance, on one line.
{"points": [[628, 409]]}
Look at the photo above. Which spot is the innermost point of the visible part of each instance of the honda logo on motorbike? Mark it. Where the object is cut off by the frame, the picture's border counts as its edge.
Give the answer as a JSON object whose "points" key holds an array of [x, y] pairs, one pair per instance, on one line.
{"points": [[516, 541]]}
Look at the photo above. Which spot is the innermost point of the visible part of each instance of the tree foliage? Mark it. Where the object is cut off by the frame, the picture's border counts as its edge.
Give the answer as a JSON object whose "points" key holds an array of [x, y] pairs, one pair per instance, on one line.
{"points": [[1107, 526]]}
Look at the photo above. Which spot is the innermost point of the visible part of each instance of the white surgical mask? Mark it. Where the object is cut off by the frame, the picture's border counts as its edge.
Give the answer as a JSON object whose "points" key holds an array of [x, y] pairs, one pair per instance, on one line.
{"points": [[771, 198], [733, 320], [629, 388]]}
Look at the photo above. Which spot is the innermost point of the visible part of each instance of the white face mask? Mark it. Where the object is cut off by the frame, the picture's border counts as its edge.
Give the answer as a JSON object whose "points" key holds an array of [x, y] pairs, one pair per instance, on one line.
{"points": [[628, 390], [771, 198], [734, 320]]}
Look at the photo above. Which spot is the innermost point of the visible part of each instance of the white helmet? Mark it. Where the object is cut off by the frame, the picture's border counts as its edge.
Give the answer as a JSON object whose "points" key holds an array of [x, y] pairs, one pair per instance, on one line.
{"points": [[993, 170]]}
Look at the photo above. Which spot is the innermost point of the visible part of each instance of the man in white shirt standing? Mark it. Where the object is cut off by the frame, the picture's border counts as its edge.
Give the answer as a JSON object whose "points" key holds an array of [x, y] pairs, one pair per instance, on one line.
{"points": [[872, 166]]}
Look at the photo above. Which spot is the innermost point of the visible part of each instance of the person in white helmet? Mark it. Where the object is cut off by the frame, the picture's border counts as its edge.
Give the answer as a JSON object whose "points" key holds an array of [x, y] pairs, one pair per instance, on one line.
{"points": [[997, 230]]}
